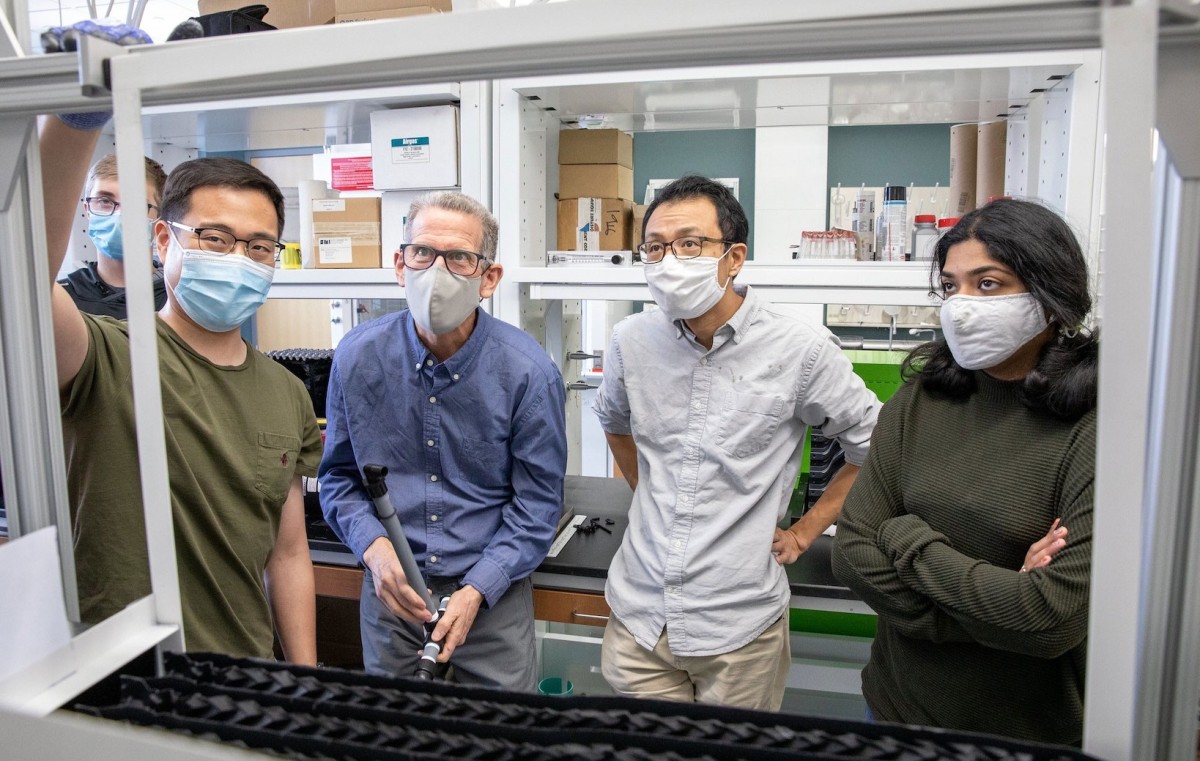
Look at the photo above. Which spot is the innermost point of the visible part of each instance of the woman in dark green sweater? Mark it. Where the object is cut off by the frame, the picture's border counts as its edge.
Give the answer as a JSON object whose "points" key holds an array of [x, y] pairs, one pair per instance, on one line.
{"points": [[969, 530]]}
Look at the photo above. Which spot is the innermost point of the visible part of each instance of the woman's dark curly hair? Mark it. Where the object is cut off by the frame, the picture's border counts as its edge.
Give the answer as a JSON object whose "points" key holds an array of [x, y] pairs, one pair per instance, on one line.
{"points": [[1037, 245]]}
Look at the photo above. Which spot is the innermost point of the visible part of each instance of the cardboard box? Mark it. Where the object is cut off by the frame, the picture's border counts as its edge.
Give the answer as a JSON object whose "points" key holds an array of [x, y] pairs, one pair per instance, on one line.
{"points": [[346, 233], [637, 224], [347, 18], [595, 146], [415, 148], [593, 224], [595, 181], [351, 172], [964, 140], [283, 14], [989, 161], [368, 6]]}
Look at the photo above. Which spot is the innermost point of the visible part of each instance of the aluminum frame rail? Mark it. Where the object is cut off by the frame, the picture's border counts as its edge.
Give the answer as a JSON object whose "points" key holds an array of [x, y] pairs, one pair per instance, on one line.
{"points": [[595, 35], [1169, 628], [30, 427]]}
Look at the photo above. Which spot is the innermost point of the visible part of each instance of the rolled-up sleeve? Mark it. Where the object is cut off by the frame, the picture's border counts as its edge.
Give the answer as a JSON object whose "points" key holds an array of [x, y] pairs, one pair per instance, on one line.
{"points": [[835, 400], [612, 401]]}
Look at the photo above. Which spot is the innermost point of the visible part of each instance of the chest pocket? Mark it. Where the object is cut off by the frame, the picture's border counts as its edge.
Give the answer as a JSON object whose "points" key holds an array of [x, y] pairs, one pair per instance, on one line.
{"points": [[748, 423], [487, 463], [276, 464]]}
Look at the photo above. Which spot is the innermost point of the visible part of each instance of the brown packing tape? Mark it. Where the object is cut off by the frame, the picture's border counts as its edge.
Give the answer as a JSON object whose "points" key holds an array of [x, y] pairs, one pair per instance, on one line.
{"points": [[964, 140], [989, 165], [363, 233]]}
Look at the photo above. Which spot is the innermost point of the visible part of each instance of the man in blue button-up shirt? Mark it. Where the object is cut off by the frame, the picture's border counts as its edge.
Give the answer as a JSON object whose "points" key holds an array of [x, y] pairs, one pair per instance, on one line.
{"points": [[467, 413]]}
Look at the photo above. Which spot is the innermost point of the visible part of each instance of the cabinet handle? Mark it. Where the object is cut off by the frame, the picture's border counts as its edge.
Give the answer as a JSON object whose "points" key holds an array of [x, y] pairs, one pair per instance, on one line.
{"points": [[580, 386], [589, 616]]}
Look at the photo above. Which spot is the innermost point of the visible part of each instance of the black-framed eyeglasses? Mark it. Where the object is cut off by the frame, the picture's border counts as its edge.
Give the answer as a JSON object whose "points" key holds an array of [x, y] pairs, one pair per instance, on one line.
{"points": [[688, 247], [103, 206], [465, 263], [214, 240]]}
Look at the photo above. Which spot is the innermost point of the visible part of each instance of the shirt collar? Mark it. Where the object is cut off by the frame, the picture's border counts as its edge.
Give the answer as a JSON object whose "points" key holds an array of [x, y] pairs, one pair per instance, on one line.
{"points": [[462, 359], [739, 324]]}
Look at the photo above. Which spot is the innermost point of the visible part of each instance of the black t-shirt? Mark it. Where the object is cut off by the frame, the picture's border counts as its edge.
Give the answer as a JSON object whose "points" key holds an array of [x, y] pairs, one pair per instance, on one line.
{"points": [[94, 296]]}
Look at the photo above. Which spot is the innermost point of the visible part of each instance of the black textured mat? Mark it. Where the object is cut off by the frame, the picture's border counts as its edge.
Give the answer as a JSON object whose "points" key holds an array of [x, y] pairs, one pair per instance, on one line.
{"points": [[308, 713]]}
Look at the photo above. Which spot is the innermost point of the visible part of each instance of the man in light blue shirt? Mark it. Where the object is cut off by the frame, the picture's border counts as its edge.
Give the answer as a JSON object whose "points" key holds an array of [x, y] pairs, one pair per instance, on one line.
{"points": [[468, 415], [706, 402]]}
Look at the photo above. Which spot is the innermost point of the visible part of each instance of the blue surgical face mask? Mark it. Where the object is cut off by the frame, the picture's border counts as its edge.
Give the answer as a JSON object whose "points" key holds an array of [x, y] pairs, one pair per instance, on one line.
{"points": [[219, 291], [105, 233]]}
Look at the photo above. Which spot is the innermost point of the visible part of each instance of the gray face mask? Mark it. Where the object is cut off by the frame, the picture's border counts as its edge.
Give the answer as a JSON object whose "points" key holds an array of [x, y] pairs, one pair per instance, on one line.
{"points": [[439, 300]]}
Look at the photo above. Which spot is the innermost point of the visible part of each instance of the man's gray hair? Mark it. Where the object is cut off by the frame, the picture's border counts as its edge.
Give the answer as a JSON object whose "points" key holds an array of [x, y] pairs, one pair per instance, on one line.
{"points": [[452, 200]]}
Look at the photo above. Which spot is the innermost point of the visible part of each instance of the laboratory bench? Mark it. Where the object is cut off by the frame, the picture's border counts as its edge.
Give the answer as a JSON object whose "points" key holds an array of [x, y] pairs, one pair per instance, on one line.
{"points": [[831, 628], [580, 566]]}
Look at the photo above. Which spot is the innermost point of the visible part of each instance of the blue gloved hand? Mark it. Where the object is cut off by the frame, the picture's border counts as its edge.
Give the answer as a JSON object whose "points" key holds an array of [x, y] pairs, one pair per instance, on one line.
{"points": [[65, 39]]}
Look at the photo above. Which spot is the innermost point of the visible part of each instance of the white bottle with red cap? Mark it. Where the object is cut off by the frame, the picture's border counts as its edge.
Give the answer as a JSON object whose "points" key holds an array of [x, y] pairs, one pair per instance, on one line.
{"points": [[925, 237], [944, 224]]}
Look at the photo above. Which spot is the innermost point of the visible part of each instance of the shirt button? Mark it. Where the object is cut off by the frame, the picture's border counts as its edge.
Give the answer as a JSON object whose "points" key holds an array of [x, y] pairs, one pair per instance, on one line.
{"points": [[418, 366], [429, 443], [455, 376], [704, 361], [433, 400], [433, 478], [677, 545], [433, 558], [429, 363], [433, 518]]}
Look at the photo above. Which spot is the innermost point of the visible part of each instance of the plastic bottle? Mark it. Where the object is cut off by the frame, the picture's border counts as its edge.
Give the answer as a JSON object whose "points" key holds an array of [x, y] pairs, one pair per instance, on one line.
{"points": [[862, 223], [895, 215], [291, 256], [944, 224], [925, 237], [880, 235]]}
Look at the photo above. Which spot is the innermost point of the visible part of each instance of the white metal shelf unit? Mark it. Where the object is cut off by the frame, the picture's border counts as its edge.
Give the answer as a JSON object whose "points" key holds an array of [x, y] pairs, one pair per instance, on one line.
{"points": [[589, 35], [300, 122], [1055, 161], [899, 283]]}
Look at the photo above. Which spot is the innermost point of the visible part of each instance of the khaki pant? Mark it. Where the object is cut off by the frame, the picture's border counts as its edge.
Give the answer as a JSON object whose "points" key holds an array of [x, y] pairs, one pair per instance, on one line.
{"points": [[753, 676]]}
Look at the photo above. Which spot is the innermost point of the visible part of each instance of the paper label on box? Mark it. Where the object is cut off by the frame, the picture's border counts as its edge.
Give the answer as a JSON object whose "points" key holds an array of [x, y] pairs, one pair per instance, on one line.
{"points": [[410, 150], [351, 173], [329, 204], [335, 251], [587, 233]]}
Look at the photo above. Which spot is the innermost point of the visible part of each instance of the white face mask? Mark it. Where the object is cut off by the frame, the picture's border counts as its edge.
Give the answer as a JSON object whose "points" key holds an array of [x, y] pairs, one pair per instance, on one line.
{"points": [[438, 299], [983, 331], [685, 288]]}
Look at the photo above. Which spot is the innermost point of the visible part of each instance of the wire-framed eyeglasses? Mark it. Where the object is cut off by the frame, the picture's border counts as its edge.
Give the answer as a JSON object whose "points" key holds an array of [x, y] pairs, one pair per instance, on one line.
{"points": [[103, 206], [688, 247], [418, 256], [214, 240]]}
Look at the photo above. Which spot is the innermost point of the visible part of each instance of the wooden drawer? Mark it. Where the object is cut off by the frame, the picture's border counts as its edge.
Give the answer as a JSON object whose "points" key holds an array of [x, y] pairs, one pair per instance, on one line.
{"points": [[337, 581], [570, 607]]}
